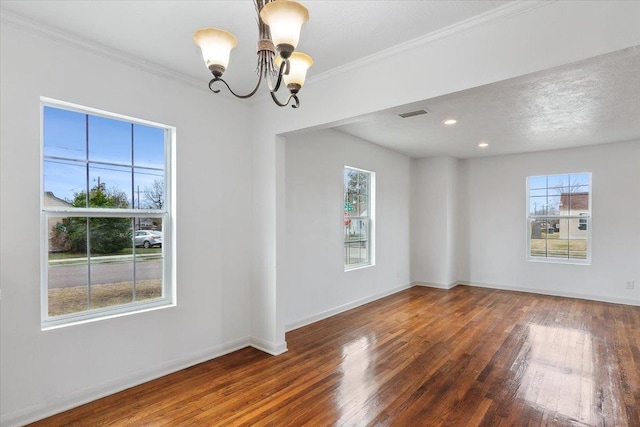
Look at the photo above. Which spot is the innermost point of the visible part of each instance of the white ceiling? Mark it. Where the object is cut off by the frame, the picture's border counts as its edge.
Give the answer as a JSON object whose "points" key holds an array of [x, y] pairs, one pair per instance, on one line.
{"points": [[595, 101], [160, 32]]}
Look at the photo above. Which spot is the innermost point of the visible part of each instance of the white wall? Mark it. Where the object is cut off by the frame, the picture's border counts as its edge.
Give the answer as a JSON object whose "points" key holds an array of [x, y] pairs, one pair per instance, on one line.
{"points": [[45, 372], [314, 284], [495, 229], [434, 225]]}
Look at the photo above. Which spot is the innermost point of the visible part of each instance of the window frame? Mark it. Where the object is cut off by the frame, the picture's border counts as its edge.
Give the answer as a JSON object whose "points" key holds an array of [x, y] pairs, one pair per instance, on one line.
{"points": [[582, 218], [369, 218], [167, 213]]}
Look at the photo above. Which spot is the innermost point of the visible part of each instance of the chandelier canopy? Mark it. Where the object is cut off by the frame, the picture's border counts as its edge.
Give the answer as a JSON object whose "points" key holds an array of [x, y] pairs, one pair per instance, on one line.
{"points": [[279, 24]]}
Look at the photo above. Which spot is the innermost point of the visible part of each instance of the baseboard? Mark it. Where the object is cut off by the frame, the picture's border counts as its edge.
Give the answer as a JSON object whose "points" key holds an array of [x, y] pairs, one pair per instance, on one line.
{"points": [[436, 285], [345, 307], [38, 412], [590, 297], [268, 347]]}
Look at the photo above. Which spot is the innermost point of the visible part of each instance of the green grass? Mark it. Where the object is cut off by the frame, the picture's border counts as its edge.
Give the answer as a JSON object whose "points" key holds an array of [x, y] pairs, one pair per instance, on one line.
{"points": [[74, 299], [354, 237], [125, 251], [553, 247]]}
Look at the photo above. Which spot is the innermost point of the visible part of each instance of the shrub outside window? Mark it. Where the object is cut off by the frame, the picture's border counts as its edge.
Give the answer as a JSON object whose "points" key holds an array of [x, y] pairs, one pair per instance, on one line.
{"points": [[558, 218], [358, 217], [106, 214]]}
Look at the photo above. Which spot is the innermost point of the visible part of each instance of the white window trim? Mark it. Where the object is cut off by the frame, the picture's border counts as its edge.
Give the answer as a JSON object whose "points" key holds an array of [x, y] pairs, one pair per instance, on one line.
{"points": [[371, 217], [587, 260], [169, 293]]}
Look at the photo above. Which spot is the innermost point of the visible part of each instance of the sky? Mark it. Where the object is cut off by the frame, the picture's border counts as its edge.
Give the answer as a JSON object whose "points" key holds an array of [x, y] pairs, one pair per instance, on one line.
{"points": [[544, 191], [123, 156]]}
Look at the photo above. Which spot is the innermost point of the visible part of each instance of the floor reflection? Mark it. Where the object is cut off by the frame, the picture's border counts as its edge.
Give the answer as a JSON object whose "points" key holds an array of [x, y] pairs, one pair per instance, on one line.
{"points": [[559, 375], [358, 383]]}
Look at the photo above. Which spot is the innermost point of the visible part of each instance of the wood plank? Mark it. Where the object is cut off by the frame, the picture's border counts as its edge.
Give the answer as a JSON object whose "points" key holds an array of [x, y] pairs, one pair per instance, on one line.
{"points": [[429, 357]]}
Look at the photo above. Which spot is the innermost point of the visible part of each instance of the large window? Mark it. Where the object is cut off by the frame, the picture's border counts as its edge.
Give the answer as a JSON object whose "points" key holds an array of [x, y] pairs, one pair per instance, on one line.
{"points": [[559, 217], [106, 214], [358, 217]]}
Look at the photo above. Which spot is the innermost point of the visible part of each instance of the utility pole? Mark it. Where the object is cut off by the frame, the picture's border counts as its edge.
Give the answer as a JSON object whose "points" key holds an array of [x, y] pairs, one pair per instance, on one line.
{"points": [[138, 206]]}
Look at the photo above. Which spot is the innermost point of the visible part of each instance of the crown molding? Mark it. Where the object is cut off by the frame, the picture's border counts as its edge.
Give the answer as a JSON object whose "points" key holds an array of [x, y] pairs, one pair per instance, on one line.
{"points": [[18, 21], [503, 12], [492, 16]]}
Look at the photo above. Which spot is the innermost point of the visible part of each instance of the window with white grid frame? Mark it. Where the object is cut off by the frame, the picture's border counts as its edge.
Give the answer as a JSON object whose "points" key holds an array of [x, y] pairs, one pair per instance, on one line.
{"points": [[358, 217], [106, 214], [559, 218]]}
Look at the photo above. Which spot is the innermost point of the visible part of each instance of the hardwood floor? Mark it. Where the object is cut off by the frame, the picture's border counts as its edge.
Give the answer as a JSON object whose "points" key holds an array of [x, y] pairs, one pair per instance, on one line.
{"points": [[422, 357]]}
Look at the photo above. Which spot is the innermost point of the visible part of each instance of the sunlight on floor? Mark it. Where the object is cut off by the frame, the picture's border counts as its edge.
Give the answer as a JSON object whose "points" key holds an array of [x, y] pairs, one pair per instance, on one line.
{"points": [[358, 384], [559, 372]]}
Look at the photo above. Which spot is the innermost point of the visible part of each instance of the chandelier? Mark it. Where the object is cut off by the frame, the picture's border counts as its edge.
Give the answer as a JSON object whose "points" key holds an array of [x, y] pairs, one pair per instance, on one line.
{"points": [[279, 24]]}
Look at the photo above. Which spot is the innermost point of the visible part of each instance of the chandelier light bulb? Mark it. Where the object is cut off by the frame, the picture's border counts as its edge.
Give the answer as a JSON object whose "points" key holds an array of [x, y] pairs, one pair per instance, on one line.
{"points": [[216, 48], [299, 63], [285, 19]]}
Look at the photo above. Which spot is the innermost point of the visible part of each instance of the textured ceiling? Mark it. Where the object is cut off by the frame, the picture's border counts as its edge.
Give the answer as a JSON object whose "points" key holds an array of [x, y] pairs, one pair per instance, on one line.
{"points": [[590, 102]]}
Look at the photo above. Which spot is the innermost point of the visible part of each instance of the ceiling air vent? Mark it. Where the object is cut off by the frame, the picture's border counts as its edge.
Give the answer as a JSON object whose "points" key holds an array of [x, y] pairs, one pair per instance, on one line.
{"points": [[412, 113]]}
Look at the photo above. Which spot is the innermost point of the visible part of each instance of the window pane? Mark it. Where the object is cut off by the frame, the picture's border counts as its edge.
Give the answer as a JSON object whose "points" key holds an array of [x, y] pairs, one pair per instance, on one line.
{"points": [[148, 188], [557, 248], [578, 249], [558, 184], [148, 240], [537, 227], [148, 146], [364, 207], [64, 134], [578, 203], [579, 183], [110, 186], [357, 230], [109, 235], [538, 247], [63, 180], [110, 141], [554, 204], [542, 192], [538, 205], [356, 241], [111, 265], [356, 253], [68, 269], [563, 229], [111, 281], [538, 182], [583, 223]]}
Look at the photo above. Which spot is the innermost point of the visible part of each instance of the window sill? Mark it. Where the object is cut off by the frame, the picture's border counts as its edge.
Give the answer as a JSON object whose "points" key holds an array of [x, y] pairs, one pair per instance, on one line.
{"points": [[559, 261], [72, 320], [357, 267]]}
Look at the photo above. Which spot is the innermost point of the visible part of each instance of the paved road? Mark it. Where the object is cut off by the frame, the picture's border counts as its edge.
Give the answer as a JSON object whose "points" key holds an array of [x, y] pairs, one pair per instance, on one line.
{"points": [[65, 276]]}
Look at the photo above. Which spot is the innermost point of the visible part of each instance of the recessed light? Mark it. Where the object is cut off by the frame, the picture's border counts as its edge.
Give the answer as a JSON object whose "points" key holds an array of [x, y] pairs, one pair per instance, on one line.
{"points": [[483, 145], [450, 122]]}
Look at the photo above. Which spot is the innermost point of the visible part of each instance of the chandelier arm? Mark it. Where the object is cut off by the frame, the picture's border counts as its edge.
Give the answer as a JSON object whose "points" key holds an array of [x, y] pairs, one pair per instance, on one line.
{"points": [[284, 69], [219, 79], [293, 96], [211, 82]]}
